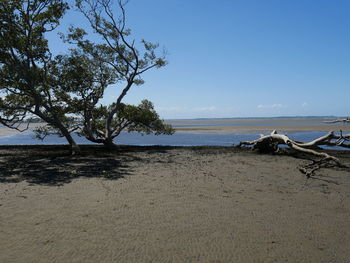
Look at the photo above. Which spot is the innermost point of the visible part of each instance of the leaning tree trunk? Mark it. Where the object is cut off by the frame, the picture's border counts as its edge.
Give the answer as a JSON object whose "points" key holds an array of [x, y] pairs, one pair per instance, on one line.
{"points": [[74, 147]]}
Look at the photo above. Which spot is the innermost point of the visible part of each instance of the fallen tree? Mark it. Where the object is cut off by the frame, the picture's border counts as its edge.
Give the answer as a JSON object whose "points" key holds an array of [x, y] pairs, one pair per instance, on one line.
{"points": [[270, 144]]}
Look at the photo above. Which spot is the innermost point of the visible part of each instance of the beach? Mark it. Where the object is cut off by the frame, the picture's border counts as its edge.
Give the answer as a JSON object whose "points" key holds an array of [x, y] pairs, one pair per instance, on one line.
{"points": [[258, 125], [169, 204], [238, 125], [7, 131], [129, 134]]}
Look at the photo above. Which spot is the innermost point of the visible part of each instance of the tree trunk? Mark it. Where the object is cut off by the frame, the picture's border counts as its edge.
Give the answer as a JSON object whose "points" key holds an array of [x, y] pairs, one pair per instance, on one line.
{"points": [[109, 144], [74, 147]]}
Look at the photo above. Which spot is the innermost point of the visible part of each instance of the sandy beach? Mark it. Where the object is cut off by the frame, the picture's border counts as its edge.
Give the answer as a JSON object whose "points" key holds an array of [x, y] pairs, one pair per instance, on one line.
{"points": [[239, 126], [262, 129], [7, 131], [169, 204], [4, 131], [174, 131], [254, 125]]}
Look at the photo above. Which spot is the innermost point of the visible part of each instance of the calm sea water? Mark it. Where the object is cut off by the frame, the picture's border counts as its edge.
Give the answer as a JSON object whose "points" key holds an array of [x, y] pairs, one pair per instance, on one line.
{"points": [[177, 139], [190, 139]]}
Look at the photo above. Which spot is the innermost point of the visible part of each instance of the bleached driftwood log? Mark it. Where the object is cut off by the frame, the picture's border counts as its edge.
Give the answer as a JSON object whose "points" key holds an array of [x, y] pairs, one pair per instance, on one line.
{"points": [[344, 120], [270, 143]]}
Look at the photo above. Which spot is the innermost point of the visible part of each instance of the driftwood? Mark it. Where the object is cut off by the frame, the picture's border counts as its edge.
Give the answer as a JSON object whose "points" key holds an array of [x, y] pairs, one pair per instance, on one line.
{"points": [[270, 143], [344, 120]]}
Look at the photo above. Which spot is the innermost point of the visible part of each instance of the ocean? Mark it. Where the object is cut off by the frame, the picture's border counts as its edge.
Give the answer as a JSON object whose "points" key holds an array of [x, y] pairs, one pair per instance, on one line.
{"points": [[190, 132], [177, 139]]}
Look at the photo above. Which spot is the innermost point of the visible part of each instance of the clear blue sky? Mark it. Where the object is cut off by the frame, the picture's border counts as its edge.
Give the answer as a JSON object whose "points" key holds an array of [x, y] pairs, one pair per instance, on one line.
{"points": [[243, 58]]}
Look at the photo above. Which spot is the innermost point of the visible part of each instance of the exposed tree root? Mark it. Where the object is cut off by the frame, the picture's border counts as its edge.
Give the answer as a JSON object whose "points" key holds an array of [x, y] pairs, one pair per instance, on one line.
{"points": [[270, 143], [310, 169]]}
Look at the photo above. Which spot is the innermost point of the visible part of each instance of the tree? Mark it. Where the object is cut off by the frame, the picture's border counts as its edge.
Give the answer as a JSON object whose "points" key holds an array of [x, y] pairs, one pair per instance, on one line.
{"points": [[65, 91], [141, 118], [26, 67], [118, 60], [87, 80]]}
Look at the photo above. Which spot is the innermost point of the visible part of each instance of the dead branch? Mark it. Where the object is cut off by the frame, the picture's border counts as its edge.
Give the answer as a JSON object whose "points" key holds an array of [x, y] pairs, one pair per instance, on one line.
{"points": [[270, 143], [310, 169]]}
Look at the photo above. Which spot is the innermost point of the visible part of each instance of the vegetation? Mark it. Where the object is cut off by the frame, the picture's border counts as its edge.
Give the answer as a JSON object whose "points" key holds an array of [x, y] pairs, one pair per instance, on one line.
{"points": [[66, 91], [124, 62], [26, 65]]}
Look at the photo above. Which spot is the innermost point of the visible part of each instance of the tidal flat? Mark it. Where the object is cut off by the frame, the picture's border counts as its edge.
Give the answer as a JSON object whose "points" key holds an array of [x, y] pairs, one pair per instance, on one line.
{"points": [[169, 204], [258, 125]]}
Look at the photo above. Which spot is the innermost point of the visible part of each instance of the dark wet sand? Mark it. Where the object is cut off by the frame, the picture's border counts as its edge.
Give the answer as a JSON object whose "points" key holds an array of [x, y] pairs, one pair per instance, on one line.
{"points": [[169, 204]]}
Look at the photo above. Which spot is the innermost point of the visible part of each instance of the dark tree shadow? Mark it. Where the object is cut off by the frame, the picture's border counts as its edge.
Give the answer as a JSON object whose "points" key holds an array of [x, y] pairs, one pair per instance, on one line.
{"points": [[52, 165]]}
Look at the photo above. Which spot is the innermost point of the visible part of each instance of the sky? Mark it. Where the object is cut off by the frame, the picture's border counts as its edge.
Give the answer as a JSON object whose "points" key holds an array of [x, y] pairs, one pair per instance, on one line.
{"points": [[241, 58]]}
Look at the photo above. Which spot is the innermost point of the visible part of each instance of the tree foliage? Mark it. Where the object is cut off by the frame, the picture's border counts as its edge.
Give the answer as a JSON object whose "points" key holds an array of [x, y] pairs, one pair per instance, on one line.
{"points": [[120, 61], [66, 91], [141, 118], [27, 83]]}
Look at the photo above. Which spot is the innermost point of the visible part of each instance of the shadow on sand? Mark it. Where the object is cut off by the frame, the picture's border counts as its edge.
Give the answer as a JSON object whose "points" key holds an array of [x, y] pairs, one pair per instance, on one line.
{"points": [[52, 165]]}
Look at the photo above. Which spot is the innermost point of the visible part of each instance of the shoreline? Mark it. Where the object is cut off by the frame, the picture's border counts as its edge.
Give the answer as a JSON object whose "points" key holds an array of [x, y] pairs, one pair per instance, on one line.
{"points": [[181, 138], [239, 125], [134, 148], [231, 129], [260, 129]]}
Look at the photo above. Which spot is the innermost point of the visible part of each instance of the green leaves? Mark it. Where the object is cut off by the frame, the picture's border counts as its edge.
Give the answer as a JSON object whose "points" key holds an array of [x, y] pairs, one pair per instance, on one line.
{"points": [[27, 71], [142, 118], [66, 91]]}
